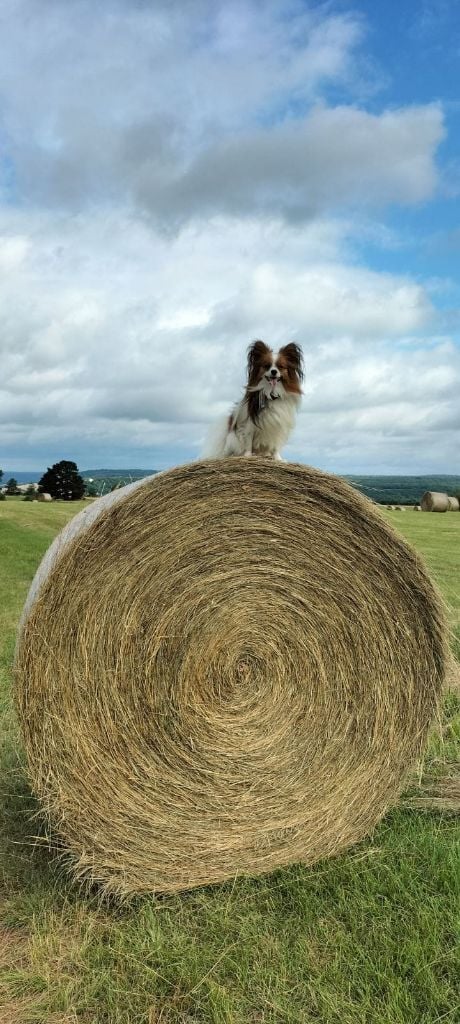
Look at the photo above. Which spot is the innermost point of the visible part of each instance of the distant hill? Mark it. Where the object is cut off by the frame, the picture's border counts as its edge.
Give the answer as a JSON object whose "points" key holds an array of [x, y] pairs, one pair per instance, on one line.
{"points": [[403, 490], [99, 481], [31, 476], [116, 474], [135, 474], [386, 490]]}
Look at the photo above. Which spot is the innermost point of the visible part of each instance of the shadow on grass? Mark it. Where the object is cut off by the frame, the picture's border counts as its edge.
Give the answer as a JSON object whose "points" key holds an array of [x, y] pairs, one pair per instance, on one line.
{"points": [[25, 848]]}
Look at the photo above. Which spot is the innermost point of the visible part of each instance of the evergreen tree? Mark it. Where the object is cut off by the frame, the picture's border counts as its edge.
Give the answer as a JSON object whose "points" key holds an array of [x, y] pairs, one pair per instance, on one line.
{"points": [[63, 481], [12, 486]]}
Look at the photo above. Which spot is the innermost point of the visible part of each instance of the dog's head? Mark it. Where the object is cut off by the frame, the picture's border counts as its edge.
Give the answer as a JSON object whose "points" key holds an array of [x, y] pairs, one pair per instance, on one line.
{"points": [[275, 373]]}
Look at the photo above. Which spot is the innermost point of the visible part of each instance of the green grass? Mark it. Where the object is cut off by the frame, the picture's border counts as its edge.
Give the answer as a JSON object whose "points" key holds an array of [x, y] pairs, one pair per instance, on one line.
{"points": [[368, 938], [437, 537]]}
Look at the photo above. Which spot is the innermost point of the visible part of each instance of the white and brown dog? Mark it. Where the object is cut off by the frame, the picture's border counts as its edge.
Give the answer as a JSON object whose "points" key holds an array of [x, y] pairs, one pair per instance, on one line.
{"points": [[261, 423]]}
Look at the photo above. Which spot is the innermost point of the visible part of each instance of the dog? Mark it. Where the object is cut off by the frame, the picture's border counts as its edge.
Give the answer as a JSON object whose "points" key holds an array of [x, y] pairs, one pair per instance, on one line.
{"points": [[261, 423]]}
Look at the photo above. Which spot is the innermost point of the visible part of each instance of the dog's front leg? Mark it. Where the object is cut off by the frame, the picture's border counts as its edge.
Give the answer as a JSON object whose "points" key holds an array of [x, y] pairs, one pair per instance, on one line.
{"points": [[248, 439]]}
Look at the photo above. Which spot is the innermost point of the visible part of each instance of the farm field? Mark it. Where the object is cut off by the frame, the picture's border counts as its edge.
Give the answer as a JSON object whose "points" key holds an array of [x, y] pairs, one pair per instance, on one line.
{"points": [[371, 937]]}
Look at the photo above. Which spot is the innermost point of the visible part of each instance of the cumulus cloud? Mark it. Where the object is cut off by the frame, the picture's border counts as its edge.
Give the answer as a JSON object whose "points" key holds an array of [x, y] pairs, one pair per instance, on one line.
{"points": [[176, 181], [142, 356], [194, 111], [330, 158], [94, 105]]}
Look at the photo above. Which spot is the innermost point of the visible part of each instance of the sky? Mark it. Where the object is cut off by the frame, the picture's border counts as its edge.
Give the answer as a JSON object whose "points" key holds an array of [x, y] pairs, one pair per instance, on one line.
{"points": [[178, 179]]}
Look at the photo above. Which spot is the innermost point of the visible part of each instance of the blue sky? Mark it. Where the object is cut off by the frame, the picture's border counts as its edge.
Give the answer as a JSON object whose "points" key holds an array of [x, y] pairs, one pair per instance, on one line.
{"points": [[417, 48], [176, 180]]}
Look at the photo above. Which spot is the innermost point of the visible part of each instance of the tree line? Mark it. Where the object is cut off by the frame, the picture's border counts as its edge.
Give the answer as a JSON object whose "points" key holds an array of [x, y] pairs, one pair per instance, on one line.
{"points": [[62, 480]]}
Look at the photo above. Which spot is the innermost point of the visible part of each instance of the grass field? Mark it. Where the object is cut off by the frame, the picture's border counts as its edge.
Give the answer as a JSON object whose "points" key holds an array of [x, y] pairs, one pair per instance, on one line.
{"points": [[368, 938]]}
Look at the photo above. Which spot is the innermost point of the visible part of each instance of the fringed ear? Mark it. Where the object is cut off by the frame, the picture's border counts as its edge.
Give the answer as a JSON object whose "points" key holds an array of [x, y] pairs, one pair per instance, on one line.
{"points": [[256, 352], [294, 358]]}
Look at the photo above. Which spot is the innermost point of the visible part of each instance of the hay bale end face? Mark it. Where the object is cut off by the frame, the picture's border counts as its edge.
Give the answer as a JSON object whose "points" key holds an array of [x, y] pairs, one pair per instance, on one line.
{"points": [[434, 501], [224, 669], [453, 503]]}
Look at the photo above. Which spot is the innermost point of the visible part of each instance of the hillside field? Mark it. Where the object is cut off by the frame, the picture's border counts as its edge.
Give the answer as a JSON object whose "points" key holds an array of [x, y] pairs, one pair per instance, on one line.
{"points": [[370, 937]]}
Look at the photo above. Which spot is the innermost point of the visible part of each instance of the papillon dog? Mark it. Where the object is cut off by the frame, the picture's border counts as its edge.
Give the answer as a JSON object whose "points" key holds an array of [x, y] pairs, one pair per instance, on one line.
{"points": [[261, 423]]}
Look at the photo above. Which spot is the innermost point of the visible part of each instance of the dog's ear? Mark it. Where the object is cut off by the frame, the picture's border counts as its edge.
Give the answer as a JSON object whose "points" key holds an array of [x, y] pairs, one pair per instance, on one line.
{"points": [[256, 353], [294, 357]]}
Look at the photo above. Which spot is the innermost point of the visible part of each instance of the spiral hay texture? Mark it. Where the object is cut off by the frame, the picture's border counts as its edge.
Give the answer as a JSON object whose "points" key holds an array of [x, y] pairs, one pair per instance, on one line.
{"points": [[225, 669]]}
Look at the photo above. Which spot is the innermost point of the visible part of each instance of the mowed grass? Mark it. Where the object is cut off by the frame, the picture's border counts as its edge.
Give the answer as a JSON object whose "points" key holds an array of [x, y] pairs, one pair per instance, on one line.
{"points": [[368, 938]]}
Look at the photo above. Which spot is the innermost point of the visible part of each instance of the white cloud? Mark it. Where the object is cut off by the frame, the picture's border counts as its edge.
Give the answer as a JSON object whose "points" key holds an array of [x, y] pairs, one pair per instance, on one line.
{"points": [[176, 182], [331, 158], [330, 299], [97, 104], [195, 111], [145, 354]]}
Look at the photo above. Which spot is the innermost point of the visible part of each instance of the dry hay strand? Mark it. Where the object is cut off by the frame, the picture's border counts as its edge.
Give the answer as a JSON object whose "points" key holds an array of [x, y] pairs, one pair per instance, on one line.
{"points": [[434, 501], [439, 794], [224, 669], [452, 679], [453, 504]]}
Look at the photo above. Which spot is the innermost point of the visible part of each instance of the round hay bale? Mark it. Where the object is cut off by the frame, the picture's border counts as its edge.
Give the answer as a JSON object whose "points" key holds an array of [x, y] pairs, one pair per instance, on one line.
{"points": [[434, 501], [453, 504], [224, 669]]}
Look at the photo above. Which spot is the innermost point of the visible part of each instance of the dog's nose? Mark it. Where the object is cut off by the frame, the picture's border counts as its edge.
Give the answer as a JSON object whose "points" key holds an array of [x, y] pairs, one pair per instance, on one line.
{"points": [[274, 373]]}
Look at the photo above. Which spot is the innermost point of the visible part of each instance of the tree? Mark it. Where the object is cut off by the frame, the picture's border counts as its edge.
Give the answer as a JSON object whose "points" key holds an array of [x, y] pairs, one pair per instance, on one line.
{"points": [[1, 474], [63, 481], [12, 486]]}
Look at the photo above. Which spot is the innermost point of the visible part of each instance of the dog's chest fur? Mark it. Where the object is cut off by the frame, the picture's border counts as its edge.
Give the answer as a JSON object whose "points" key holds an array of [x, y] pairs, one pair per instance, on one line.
{"points": [[274, 423]]}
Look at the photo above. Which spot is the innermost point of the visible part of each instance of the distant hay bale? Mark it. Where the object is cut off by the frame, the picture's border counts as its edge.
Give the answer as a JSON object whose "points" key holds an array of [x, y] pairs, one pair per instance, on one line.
{"points": [[434, 501], [43, 496], [453, 504], [417, 508], [223, 669]]}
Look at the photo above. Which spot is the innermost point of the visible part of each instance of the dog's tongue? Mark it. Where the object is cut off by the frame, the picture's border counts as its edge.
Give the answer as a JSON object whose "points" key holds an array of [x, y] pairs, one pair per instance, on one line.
{"points": [[273, 383]]}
